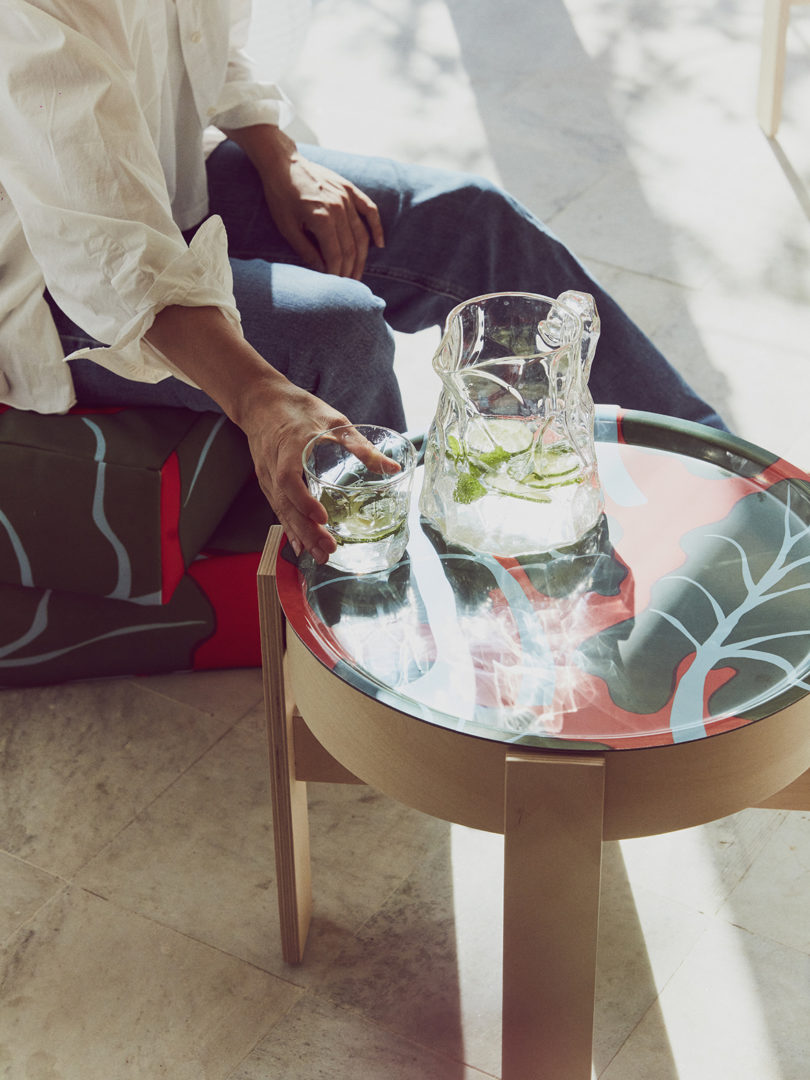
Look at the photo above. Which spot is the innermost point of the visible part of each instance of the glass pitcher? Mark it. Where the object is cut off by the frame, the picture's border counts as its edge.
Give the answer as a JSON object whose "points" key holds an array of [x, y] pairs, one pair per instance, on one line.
{"points": [[510, 464]]}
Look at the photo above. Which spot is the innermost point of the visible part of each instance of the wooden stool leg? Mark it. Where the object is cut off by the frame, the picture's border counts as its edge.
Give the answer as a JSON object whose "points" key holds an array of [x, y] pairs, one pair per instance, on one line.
{"points": [[289, 796], [552, 864], [772, 64]]}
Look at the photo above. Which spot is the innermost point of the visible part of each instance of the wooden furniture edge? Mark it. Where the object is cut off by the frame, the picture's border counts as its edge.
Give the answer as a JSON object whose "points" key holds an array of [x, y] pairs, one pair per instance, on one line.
{"points": [[459, 777], [553, 810], [288, 794]]}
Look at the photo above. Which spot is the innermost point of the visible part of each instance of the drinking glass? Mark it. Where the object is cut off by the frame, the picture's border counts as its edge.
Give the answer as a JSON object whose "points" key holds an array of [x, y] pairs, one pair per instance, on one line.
{"points": [[367, 508]]}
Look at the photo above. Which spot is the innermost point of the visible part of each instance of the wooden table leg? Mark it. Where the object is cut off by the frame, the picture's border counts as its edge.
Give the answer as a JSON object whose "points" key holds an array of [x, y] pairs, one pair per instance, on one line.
{"points": [[772, 64], [552, 863], [289, 795]]}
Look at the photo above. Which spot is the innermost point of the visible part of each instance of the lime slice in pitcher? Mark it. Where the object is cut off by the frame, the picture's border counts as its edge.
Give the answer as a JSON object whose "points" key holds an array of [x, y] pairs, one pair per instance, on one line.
{"points": [[516, 489], [494, 441], [555, 461]]}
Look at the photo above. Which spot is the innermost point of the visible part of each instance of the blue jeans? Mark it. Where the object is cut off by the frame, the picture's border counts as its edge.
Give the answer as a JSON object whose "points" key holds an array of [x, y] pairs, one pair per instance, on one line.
{"points": [[449, 236]]}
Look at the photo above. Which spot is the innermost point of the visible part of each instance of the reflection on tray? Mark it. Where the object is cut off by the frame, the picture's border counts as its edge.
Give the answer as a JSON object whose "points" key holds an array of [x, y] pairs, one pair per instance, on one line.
{"points": [[681, 614]]}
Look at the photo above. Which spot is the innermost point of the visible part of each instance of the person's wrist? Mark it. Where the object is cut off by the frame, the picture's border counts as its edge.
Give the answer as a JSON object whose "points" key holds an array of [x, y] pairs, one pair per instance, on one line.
{"points": [[255, 395]]}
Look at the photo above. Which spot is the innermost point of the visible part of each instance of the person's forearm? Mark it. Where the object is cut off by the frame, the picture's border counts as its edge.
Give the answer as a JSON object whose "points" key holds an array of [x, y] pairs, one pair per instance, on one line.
{"points": [[277, 417], [205, 346]]}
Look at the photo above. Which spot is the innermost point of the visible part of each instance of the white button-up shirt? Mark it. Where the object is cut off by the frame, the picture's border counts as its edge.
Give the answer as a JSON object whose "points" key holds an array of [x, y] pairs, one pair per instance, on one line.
{"points": [[103, 110]]}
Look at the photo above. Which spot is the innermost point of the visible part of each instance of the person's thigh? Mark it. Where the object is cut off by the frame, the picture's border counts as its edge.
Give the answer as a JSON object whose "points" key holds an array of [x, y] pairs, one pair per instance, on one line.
{"points": [[451, 236], [326, 334]]}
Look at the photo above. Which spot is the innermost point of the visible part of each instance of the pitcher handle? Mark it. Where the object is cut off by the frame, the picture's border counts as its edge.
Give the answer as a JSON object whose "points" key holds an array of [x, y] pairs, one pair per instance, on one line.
{"points": [[584, 305]]}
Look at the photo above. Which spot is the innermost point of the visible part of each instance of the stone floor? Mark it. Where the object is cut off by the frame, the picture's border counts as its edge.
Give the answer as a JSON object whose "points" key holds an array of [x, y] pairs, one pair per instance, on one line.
{"points": [[137, 891]]}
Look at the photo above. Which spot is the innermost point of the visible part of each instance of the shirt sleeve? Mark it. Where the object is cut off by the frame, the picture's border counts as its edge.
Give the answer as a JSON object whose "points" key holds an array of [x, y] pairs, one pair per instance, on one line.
{"points": [[79, 165], [243, 99]]}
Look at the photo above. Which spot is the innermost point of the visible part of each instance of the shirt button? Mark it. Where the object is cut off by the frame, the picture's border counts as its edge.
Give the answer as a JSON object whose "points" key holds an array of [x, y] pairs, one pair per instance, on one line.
{"points": [[211, 111], [196, 37]]}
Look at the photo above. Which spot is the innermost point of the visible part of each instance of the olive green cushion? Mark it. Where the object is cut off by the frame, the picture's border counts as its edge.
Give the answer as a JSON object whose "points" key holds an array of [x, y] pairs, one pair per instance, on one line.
{"points": [[113, 503]]}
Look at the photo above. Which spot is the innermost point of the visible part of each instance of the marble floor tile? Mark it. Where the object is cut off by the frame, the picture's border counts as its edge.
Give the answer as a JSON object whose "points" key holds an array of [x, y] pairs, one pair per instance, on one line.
{"points": [[407, 971], [23, 891], [226, 694], [725, 333], [254, 723], [643, 940], [712, 339], [420, 383], [92, 992], [664, 311], [700, 867], [428, 965], [411, 55], [80, 760], [200, 858], [773, 899], [768, 257], [595, 225], [320, 1041], [736, 1008]]}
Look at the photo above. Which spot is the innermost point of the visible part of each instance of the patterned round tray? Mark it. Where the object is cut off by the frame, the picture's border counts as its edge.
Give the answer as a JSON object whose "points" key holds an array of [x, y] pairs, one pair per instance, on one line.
{"points": [[683, 614]]}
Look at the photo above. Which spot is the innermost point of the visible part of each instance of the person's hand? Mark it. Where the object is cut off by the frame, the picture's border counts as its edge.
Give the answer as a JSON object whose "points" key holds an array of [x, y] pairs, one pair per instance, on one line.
{"points": [[324, 217], [278, 431], [327, 220]]}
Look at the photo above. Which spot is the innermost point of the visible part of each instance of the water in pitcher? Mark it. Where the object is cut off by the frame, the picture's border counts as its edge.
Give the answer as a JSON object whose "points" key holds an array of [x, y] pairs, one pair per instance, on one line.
{"points": [[507, 480]]}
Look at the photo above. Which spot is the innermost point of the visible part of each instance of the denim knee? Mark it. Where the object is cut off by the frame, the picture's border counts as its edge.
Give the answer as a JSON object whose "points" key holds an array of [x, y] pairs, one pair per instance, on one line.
{"points": [[351, 340], [353, 356]]}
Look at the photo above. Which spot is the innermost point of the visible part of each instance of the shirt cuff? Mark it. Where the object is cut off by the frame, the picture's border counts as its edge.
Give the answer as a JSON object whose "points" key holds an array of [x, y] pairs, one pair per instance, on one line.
{"points": [[256, 103], [199, 277]]}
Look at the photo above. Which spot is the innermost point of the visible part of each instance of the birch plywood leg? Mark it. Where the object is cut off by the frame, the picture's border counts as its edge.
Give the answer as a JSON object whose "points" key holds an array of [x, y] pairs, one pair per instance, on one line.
{"points": [[552, 864], [289, 796], [772, 64]]}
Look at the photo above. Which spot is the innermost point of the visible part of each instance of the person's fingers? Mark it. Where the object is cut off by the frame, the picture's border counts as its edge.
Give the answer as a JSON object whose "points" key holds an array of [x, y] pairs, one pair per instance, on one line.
{"points": [[366, 452], [367, 209], [361, 236], [299, 240], [303, 519], [342, 239], [330, 243]]}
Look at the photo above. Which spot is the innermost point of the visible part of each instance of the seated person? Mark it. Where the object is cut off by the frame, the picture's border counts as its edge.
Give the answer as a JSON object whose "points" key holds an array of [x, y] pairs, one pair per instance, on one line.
{"points": [[261, 279]]}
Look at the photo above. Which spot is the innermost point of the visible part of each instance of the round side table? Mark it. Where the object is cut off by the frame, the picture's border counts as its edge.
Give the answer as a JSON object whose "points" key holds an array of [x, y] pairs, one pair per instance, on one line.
{"points": [[653, 677]]}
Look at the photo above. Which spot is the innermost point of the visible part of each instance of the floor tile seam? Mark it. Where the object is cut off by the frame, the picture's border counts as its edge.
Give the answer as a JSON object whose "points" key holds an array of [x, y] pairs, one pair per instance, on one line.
{"points": [[658, 204], [595, 262], [708, 911], [656, 1000], [179, 701], [392, 1031], [414, 864], [118, 905], [33, 865], [640, 888], [598, 265], [6, 943], [147, 806], [571, 199], [265, 1034], [769, 938]]}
